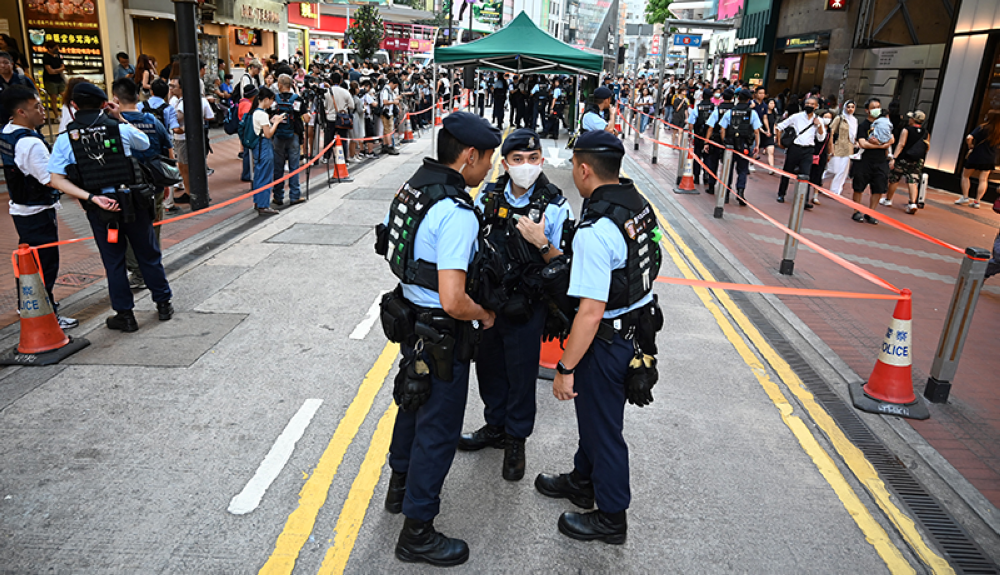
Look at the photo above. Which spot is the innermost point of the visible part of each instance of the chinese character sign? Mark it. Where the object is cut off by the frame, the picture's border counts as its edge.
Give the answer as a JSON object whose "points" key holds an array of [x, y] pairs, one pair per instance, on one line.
{"points": [[73, 25]]}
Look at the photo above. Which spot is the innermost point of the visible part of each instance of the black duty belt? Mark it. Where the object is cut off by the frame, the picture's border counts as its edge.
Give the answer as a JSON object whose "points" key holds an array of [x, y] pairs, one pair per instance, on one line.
{"points": [[624, 324]]}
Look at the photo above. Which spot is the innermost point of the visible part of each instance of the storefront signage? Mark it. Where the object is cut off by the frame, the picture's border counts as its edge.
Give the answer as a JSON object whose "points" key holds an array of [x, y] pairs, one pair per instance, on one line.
{"points": [[263, 14], [836, 5], [688, 40], [489, 12], [740, 42], [73, 26], [805, 42], [407, 45], [260, 15], [304, 14]]}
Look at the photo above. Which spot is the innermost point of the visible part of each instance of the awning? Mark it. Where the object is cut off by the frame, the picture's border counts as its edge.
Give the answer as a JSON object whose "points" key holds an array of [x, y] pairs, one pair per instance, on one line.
{"points": [[521, 47]]}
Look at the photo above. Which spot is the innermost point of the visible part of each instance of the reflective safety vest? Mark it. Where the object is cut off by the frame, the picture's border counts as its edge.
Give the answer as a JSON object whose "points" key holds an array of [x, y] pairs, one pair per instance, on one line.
{"points": [[99, 152], [405, 216], [23, 188], [635, 219], [739, 134]]}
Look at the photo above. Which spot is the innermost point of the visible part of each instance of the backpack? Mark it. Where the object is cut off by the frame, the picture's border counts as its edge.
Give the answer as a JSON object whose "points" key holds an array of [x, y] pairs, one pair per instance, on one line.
{"points": [[157, 112], [248, 136], [231, 124]]}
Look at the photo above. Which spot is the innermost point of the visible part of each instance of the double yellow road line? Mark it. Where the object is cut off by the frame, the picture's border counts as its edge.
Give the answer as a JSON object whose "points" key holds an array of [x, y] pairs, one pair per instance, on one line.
{"points": [[851, 455]]}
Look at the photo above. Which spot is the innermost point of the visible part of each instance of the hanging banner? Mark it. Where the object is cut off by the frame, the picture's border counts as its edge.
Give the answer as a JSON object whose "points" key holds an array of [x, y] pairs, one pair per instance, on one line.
{"points": [[654, 47], [488, 12], [73, 26]]}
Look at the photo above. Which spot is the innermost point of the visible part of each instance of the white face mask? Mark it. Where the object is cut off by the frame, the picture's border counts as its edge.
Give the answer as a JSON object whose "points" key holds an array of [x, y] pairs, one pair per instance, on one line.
{"points": [[826, 121], [524, 175]]}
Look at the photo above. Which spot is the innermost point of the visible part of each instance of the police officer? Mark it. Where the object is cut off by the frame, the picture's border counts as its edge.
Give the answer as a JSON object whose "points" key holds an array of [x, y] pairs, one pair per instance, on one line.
{"points": [[91, 161], [615, 260], [33, 203], [429, 238], [524, 214], [286, 141], [714, 150], [126, 95], [740, 128], [697, 122], [593, 118]]}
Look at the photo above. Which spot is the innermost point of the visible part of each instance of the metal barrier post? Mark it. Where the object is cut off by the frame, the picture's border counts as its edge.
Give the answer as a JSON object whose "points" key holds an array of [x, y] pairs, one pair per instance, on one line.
{"points": [[636, 113], [956, 324], [795, 224], [681, 156], [631, 120], [722, 194], [656, 138]]}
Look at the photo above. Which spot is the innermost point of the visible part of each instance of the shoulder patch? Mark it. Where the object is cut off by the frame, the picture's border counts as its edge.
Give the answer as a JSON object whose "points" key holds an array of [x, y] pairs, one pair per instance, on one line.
{"points": [[558, 200]]}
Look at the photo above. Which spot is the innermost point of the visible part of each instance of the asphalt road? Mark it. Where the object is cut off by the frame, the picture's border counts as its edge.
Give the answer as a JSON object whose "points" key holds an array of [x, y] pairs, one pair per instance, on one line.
{"points": [[249, 434]]}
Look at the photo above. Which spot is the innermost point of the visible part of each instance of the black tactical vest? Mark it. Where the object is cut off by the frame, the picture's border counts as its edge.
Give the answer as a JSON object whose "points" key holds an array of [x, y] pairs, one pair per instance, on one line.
{"points": [[405, 216], [705, 109], [717, 131], [99, 152], [635, 219], [740, 131], [24, 189]]}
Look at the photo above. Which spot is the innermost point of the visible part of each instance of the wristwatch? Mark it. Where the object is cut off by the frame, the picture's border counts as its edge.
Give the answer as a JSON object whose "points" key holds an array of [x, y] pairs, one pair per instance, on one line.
{"points": [[563, 369], [545, 249], [90, 198]]}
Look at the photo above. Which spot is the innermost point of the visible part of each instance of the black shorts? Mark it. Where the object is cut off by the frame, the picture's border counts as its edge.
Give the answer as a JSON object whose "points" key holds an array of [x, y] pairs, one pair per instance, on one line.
{"points": [[871, 174]]}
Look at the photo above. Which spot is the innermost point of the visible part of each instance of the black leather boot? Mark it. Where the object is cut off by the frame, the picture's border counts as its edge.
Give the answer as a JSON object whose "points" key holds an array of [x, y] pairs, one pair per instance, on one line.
{"points": [[397, 491], [740, 195], [570, 486], [124, 321], [486, 436], [419, 541], [165, 310], [513, 459], [607, 527]]}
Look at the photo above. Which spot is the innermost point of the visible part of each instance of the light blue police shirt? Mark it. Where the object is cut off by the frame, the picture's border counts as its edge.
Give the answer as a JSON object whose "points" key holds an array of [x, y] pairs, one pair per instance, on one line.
{"points": [[446, 237], [598, 249], [593, 121], [556, 93], [169, 113], [713, 118], [62, 151], [555, 215], [693, 115], [754, 120]]}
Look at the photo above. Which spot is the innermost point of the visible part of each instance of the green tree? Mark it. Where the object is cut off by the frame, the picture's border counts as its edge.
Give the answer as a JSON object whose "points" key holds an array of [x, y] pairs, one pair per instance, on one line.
{"points": [[657, 11], [367, 31]]}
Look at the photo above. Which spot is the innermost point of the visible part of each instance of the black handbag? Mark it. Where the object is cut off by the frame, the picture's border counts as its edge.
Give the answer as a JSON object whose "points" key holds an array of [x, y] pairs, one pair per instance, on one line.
{"points": [[162, 171]]}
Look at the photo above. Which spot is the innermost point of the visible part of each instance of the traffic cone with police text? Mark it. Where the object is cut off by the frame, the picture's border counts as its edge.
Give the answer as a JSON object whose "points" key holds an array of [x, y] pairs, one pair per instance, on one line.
{"points": [[889, 390], [340, 169], [407, 130], [687, 179], [42, 340], [440, 112]]}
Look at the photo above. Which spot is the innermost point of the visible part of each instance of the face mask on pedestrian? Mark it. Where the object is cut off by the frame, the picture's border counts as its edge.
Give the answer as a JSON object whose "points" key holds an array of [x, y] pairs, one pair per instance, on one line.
{"points": [[826, 121], [809, 109], [524, 175], [875, 113]]}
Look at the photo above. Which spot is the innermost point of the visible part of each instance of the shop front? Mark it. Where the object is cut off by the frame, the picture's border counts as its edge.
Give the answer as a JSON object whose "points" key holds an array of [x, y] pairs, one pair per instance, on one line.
{"points": [[150, 29], [803, 59], [971, 74], [77, 31], [247, 29], [303, 17], [753, 43], [329, 35]]}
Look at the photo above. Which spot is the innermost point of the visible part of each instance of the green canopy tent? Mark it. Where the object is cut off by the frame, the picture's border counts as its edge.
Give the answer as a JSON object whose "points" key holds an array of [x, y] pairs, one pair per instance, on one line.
{"points": [[521, 47]]}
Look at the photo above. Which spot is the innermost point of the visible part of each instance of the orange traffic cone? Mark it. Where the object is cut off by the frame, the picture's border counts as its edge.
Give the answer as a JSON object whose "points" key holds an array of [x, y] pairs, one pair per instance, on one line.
{"points": [[889, 389], [687, 179], [551, 354], [407, 130], [340, 169], [42, 340], [437, 116]]}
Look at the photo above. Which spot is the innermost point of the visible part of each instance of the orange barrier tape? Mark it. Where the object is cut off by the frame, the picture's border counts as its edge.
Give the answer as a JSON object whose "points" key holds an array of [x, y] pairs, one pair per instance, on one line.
{"points": [[888, 220], [777, 290]]}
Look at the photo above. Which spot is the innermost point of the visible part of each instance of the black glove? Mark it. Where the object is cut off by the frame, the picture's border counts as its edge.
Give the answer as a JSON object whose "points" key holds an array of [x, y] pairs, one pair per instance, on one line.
{"points": [[641, 378], [415, 388]]}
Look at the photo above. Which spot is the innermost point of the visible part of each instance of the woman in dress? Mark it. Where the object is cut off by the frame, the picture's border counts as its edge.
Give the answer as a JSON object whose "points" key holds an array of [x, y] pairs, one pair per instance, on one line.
{"points": [[769, 119], [983, 144]]}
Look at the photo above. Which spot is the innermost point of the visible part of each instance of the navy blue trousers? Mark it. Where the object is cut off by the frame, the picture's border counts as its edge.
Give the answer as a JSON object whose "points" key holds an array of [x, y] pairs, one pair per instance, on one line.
{"points": [[712, 161], [424, 442], [741, 166], [507, 370], [600, 411], [147, 253], [40, 229]]}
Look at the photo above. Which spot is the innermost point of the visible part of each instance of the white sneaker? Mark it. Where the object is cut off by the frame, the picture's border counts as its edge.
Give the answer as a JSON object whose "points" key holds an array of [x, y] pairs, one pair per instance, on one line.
{"points": [[911, 208], [961, 201], [975, 205], [179, 186], [885, 202], [752, 169], [67, 322]]}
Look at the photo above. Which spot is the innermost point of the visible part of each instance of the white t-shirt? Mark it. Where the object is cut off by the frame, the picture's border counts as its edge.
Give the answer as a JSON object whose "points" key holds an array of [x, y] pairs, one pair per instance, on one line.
{"points": [[32, 158], [178, 104], [67, 117], [260, 121]]}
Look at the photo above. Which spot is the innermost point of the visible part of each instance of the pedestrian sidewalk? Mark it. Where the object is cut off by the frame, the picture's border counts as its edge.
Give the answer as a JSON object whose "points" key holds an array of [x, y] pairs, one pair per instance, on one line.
{"points": [[966, 430], [80, 263]]}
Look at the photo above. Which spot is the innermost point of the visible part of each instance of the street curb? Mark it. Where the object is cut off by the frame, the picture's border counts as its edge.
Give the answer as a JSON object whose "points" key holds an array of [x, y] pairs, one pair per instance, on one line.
{"points": [[930, 456]]}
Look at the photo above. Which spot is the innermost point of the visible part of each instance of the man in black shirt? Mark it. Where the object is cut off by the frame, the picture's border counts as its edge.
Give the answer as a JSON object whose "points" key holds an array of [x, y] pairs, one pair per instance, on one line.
{"points": [[872, 170], [52, 77]]}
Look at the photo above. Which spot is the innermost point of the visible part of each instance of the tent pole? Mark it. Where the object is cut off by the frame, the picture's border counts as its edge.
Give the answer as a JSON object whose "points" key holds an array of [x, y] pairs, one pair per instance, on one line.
{"points": [[434, 111], [576, 106]]}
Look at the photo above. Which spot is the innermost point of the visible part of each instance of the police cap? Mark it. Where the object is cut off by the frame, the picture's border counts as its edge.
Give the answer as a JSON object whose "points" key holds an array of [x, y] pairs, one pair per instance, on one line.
{"points": [[728, 94], [472, 130], [602, 94], [524, 139], [744, 94], [88, 89], [599, 142]]}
